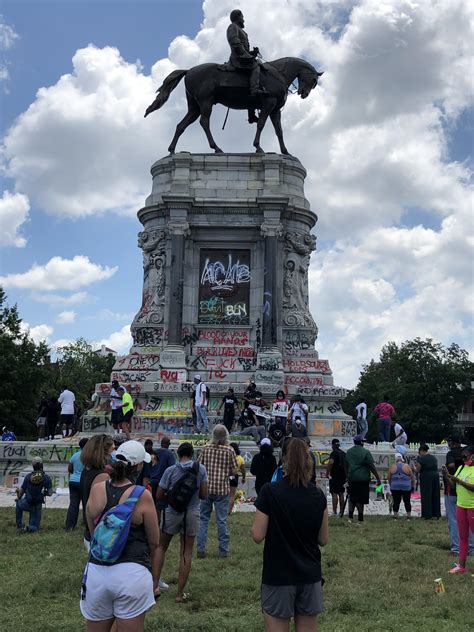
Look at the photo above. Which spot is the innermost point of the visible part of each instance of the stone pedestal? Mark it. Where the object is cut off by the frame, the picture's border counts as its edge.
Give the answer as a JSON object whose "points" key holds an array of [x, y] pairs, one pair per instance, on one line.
{"points": [[226, 247]]}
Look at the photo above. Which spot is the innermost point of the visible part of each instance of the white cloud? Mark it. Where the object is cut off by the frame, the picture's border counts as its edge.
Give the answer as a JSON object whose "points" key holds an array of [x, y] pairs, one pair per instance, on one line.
{"points": [[374, 137], [58, 299], [59, 274], [8, 36], [66, 317], [38, 333], [120, 341], [14, 209]]}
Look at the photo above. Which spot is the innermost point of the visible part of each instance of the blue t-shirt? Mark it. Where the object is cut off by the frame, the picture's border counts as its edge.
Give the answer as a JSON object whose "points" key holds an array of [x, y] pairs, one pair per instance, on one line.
{"points": [[174, 473], [78, 466], [165, 460]]}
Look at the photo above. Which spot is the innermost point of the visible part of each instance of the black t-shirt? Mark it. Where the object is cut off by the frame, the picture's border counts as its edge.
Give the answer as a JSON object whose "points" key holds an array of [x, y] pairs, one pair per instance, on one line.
{"points": [[291, 555], [298, 431], [453, 456], [247, 418], [338, 469], [230, 402], [275, 432]]}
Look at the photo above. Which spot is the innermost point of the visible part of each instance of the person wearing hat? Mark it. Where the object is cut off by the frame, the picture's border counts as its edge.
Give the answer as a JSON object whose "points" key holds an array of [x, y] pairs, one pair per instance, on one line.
{"points": [[30, 497], [124, 590], [201, 404], [359, 467], [263, 464], [336, 473]]}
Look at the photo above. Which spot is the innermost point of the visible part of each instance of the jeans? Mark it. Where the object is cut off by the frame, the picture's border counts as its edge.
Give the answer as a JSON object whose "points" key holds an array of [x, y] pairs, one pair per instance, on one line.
{"points": [[384, 429], [74, 502], [34, 511], [450, 505], [256, 432], [221, 504], [201, 418], [362, 426]]}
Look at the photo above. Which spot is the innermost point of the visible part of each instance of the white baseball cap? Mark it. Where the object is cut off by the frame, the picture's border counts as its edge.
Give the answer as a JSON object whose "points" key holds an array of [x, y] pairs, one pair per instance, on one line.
{"points": [[265, 441], [197, 377], [133, 452]]}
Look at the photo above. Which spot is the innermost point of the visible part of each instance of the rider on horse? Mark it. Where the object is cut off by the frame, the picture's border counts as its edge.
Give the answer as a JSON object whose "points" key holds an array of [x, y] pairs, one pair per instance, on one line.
{"points": [[242, 58]]}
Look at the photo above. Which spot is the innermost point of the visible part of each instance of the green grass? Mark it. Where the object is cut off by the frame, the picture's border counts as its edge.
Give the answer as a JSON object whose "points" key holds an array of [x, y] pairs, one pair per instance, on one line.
{"points": [[379, 577]]}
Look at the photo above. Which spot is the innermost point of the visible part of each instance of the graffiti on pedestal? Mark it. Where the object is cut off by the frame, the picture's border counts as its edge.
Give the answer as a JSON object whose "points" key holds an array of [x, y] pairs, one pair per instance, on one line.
{"points": [[224, 287], [149, 336], [295, 340]]}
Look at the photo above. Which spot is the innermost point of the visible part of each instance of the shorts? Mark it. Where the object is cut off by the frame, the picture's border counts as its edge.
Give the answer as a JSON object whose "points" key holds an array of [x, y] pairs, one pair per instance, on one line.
{"points": [[127, 418], [336, 485], [359, 492], [41, 421], [67, 419], [122, 590], [284, 602], [173, 523], [116, 417]]}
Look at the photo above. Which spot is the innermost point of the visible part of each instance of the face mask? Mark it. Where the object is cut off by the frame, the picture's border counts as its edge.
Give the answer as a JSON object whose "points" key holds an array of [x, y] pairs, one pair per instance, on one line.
{"points": [[468, 461]]}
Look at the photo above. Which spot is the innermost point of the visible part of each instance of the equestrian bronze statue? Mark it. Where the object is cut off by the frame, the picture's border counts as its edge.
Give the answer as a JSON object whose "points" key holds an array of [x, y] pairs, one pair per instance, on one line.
{"points": [[242, 84]]}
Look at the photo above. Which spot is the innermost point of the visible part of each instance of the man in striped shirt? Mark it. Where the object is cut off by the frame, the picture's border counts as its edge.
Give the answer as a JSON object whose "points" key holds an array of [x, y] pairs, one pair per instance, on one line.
{"points": [[219, 460]]}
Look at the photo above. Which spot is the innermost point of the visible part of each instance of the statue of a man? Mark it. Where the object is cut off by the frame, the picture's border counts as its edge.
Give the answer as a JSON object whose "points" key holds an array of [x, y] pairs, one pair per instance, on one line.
{"points": [[241, 56]]}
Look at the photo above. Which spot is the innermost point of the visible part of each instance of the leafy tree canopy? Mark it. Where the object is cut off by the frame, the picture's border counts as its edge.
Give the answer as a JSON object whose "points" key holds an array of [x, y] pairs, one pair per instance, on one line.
{"points": [[426, 382]]}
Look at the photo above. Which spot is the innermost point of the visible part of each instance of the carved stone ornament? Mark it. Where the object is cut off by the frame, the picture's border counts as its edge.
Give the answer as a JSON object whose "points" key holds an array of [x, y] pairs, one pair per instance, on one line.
{"points": [[153, 244], [298, 249]]}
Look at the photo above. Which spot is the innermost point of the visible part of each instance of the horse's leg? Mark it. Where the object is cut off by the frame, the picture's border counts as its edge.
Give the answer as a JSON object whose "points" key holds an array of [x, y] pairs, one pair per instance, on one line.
{"points": [[268, 106], [275, 117], [191, 116], [206, 109]]}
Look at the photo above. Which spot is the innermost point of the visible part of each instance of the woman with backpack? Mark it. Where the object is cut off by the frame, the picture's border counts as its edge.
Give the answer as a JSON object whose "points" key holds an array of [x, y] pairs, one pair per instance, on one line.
{"points": [[120, 578], [292, 518]]}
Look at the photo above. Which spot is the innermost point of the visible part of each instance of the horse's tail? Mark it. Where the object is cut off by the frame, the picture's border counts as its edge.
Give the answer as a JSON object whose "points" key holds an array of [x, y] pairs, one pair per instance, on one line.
{"points": [[164, 91]]}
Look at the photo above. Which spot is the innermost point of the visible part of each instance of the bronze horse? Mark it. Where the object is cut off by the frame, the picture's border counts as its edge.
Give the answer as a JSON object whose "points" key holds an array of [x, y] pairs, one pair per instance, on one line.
{"points": [[208, 84]]}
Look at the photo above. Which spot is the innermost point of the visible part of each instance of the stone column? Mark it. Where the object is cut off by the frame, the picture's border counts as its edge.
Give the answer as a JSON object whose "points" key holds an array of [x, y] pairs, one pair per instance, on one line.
{"points": [[173, 355], [269, 359]]}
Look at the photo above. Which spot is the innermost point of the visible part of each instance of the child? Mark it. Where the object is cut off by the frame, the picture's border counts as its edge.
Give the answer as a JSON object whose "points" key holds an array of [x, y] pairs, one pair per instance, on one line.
{"points": [[234, 480]]}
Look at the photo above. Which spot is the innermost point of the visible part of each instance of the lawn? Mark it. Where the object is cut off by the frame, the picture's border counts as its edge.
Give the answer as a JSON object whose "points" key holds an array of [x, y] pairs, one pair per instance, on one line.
{"points": [[379, 577]]}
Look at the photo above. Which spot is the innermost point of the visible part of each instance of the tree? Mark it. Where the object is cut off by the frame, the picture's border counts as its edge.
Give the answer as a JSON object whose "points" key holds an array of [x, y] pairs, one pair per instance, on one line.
{"points": [[426, 382], [80, 369], [22, 366]]}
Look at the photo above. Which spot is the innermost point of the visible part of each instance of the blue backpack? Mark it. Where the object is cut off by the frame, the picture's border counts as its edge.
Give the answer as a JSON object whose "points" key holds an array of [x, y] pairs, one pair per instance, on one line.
{"points": [[111, 532]]}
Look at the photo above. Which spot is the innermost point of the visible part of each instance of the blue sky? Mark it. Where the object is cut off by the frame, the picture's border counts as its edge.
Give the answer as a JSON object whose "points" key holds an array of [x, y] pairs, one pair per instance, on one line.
{"points": [[386, 139]]}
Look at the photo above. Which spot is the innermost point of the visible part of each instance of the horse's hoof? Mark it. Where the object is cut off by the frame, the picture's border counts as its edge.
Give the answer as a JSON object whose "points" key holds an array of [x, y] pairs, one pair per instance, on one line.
{"points": [[171, 150], [218, 150], [259, 150]]}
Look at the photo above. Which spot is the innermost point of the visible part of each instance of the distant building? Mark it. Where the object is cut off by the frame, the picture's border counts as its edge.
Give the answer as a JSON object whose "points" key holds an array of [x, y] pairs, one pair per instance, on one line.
{"points": [[104, 351]]}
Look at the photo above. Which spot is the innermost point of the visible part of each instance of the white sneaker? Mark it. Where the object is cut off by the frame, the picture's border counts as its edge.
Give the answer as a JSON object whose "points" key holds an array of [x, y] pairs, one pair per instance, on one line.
{"points": [[162, 585]]}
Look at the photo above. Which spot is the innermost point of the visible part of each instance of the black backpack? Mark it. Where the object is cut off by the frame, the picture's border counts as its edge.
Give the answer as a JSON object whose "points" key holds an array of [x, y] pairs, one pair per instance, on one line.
{"points": [[179, 496], [34, 491]]}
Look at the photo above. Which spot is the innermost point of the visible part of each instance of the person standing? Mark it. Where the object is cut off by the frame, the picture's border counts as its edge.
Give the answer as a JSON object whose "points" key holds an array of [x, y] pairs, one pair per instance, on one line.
{"points": [[361, 415], [230, 403], [164, 459], [116, 415], [384, 412], [201, 404], [299, 408], [75, 468], [186, 522], [280, 407], [67, 400], [359, 467], [464, 481], [219, 460], [292, 518], [454, 461], [30, 497], [427, 468], [41, 421], [53, 408], [127, 410], [122, 591], [336, 473], [263, 464], [401, 480]]}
